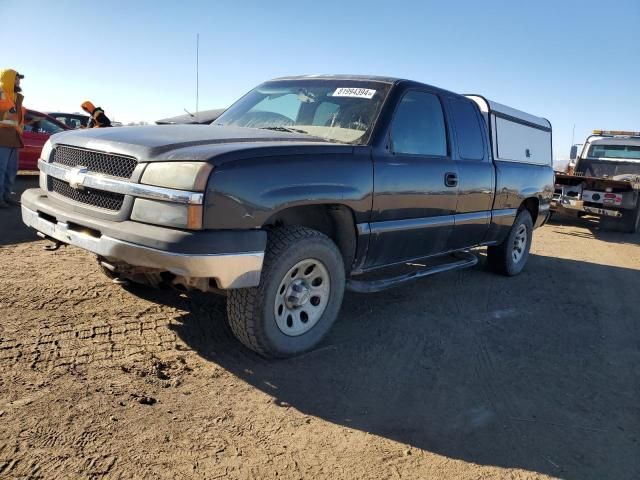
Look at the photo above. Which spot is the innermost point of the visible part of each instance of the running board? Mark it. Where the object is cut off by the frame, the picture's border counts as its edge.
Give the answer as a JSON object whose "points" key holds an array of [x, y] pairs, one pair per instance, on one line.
{"points": [[461, 260]]}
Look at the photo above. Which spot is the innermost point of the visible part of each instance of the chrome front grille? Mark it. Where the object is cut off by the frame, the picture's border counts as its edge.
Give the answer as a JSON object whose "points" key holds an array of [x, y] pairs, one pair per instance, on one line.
{"points": [[82, 181], [88, 196], [118, 166], [106, 163]]}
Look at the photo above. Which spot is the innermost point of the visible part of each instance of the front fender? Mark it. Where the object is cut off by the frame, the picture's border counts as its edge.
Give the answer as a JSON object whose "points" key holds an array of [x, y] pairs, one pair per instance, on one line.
{"points": [[247, 193]]}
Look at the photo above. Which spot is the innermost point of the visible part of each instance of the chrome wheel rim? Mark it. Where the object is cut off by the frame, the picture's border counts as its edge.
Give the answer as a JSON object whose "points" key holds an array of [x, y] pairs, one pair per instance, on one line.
{"points": [[519, 243], [302, 297]]}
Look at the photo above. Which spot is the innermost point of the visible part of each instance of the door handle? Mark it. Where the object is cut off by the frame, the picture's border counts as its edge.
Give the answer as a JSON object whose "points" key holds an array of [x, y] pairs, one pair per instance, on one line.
{"points": [[451, 179]]}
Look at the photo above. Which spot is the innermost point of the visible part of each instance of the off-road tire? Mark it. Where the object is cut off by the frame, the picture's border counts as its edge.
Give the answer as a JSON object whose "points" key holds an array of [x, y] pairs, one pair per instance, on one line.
{"points": [[500, 257], [250, 311], [629, 223]]}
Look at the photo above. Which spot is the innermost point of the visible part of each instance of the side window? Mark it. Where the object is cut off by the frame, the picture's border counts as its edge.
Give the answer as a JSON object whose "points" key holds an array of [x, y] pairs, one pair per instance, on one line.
{"points": [[70, 122], [48, 127], [28, 122], [468, 132], [418, 126], [35, 124]]}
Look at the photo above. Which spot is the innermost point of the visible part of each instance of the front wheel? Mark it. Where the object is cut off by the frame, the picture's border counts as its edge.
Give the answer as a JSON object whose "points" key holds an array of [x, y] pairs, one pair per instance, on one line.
{"points": [[510, 257], [299, 296]]}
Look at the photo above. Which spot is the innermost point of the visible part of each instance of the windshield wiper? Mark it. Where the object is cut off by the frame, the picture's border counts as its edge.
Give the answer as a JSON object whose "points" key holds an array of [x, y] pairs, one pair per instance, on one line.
{"points": [[285, 129]]}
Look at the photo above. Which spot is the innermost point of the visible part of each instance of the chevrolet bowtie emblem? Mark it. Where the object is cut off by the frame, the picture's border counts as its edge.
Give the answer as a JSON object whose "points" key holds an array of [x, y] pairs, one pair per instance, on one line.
{"points": [[76, 177]]}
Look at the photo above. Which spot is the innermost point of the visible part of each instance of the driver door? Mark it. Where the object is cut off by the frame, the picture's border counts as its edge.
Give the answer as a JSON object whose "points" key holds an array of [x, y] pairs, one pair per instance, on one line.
{"points": [[415, 184]]}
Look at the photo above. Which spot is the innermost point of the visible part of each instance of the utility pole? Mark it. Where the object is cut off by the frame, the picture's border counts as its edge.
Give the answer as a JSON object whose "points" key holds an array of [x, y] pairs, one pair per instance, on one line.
{"points": [[197, 71]]}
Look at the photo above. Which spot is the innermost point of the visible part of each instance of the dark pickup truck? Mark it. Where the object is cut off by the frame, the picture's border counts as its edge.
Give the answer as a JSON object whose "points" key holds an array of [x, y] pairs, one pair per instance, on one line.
{"points": [[304, 187]]}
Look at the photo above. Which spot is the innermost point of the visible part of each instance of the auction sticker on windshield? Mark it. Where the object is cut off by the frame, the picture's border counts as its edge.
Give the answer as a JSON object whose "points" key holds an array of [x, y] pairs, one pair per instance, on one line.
{"points": [[354, 92]]}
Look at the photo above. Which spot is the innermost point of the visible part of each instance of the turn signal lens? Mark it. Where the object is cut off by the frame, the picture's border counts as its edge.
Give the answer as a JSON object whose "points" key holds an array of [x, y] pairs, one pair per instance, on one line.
{"points": [[194, 217], [167, 214]]}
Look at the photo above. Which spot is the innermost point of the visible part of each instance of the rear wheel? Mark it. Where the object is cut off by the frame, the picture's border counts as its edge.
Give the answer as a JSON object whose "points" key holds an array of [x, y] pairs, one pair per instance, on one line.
{"points": [[510, 257], [299, 296], [629, 223]]}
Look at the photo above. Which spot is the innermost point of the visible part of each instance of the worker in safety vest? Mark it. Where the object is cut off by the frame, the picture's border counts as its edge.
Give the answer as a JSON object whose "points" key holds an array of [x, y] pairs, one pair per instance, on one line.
{"points": [[97, 117], [11, 125]]}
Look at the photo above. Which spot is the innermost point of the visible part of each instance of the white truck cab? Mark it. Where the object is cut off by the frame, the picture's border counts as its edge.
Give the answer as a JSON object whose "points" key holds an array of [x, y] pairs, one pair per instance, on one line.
{"points": [[603, 180]]}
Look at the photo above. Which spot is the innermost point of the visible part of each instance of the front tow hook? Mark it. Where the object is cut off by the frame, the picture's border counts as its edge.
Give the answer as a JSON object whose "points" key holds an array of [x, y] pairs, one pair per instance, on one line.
{"points": [[53, 245]]}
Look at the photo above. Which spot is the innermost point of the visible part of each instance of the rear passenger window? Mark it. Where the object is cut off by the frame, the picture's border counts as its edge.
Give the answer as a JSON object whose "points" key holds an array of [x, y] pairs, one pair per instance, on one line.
{"points": [[418, 126], [468, 133]]}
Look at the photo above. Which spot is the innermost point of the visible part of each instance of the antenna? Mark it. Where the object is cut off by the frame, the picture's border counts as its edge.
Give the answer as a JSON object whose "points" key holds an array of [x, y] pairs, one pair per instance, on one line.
{"points": [[197, 71], [573, 134]]}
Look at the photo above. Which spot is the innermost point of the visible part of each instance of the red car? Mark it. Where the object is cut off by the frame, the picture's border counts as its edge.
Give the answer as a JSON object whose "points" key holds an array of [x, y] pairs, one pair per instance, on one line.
{"points": [[38, 127]]}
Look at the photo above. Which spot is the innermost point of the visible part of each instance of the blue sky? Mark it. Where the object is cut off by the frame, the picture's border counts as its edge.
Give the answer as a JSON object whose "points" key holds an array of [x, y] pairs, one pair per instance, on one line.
{"points": [[572, 62]]}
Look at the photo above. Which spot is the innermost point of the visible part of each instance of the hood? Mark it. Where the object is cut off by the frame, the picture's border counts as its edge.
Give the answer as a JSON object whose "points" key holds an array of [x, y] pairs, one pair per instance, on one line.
{"points": [[8, 82], [191, 142]]}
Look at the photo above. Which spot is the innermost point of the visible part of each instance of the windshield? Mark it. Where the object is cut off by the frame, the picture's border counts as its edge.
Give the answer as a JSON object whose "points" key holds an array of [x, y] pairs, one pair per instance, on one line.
{"points": [[335, 110], [38, 123], [614, 151]]}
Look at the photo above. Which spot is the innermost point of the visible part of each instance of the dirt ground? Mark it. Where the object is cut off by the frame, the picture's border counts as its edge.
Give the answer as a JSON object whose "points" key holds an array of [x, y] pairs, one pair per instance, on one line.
{"points": [[465, 375]]}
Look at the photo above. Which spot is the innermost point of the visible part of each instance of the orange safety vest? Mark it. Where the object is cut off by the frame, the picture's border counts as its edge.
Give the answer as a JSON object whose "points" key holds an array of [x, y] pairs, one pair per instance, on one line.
{"points": [[11, 120]]}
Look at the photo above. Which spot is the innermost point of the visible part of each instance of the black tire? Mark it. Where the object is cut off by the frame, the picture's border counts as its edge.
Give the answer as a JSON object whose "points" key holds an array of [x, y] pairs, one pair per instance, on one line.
{"points": [[629, 223], [501, 257], [251, 312]]}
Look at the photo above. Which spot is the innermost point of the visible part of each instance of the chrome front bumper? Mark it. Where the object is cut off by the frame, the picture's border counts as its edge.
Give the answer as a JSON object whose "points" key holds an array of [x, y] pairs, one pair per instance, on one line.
{"points": [[236, 270]]}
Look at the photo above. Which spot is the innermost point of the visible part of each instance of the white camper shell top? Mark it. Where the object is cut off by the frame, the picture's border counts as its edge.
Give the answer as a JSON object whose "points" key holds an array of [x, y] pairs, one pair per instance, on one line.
{"points": [[516, 136]]}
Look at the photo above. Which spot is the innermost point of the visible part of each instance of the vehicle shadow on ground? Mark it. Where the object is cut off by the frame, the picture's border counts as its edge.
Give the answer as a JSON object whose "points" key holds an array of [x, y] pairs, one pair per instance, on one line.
{"points": [[12, 230], [496, 371], [538, 372], [594, 229]]}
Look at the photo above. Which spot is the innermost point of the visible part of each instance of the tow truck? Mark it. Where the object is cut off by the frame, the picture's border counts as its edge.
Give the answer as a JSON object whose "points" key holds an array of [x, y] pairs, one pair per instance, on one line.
{"points": [[603, 181]]}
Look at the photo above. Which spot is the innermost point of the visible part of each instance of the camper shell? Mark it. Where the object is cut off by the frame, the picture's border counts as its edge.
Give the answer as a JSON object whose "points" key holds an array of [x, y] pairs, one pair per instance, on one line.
{"points": [[516, 136]]}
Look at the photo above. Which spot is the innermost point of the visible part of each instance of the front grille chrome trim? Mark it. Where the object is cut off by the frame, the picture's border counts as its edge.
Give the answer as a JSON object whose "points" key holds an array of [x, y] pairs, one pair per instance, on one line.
{"points": [[86, 196], [105, 183], [120, 166]]}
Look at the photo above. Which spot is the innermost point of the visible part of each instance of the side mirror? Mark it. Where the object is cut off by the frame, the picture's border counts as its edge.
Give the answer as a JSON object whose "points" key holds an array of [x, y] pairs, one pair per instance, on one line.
{"points": [[574, 152]]}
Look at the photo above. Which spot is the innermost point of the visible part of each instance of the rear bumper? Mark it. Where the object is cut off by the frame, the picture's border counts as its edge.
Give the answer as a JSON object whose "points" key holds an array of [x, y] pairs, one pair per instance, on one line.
{"points": [[233, 258], [572, 206]]}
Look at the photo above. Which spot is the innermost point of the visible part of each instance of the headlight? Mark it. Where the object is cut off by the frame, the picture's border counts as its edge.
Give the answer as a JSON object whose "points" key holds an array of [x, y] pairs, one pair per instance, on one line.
{"points": [[167, 214], [46, 151], [179, 175], [44, 155]]}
